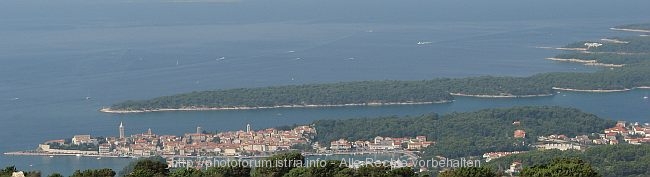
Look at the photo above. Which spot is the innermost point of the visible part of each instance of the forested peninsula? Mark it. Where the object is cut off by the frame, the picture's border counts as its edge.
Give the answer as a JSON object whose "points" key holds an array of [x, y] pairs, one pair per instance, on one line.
{"points": [[625, 62]]}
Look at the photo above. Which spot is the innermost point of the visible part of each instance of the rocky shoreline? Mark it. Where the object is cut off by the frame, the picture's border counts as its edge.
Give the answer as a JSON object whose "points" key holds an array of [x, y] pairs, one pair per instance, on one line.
{"points": [[500, 96], [630, 30], [117, 111], [600, 90], [585, 62]]}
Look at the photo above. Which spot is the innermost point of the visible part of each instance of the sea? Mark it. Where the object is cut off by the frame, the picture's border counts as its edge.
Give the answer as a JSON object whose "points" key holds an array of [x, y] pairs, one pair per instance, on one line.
{"points": [[61, 61]]}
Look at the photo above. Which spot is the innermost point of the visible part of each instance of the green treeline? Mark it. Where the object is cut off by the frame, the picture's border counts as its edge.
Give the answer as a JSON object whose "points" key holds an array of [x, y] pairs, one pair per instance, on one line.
{"points": [[320, 94], [610, 160], [468, 134], [397, 91]]}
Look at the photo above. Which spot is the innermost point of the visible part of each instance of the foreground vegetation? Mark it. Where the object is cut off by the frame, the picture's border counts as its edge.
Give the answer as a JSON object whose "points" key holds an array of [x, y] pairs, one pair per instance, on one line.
{"points": [[564, 167], [611, 160], [559, 167], [332, 168]]}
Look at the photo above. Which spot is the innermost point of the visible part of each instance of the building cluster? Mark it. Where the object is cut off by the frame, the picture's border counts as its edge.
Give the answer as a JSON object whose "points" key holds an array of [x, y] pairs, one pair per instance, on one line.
{"points": [[634, 133], [382, 143], [495, 155], [233, 143], [630, 133]]}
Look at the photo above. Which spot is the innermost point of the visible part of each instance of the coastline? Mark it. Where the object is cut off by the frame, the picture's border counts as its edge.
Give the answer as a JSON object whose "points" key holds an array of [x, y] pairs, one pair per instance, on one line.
{"points": [[109, 110], [600, 91], [630, 30], [306, 154], [27, 153], [500, 96], [585, 62], [572, 49], [616, 41]]}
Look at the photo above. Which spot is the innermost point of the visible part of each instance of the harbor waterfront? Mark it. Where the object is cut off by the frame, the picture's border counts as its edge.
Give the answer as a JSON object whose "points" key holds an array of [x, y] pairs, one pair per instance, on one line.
{"points": [[247, 143]]}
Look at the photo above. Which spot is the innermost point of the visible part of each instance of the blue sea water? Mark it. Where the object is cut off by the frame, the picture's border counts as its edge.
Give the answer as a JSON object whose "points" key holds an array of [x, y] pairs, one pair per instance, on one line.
{"points": [[55, 54]]}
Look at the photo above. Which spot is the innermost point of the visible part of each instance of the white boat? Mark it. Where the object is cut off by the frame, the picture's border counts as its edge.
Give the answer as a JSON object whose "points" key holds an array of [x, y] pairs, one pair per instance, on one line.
{"points": [[98, 158], [78, 155], [51, 156], [424, 42], [645, 97], [222, 58]]}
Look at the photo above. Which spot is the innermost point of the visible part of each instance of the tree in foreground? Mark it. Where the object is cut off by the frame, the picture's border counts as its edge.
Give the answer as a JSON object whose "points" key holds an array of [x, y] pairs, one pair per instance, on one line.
{"points": [[279, 165], [233, 169], [94, 173], [469, 172], [186, 172], [55, 175], [562, 167], [149, 168]]}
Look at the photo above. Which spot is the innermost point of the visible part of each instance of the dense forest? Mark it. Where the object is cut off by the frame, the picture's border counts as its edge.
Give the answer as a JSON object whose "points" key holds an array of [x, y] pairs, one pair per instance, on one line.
{"points": [[316, 94], [612, 160], [457, 135], [398, 91]]}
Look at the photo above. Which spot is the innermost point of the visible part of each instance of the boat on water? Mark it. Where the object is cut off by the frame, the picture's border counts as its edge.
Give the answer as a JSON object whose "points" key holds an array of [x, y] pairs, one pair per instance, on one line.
{"points": [[645, 97], [51, 156], [99, 158], [78, 155], [424, 42]]}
